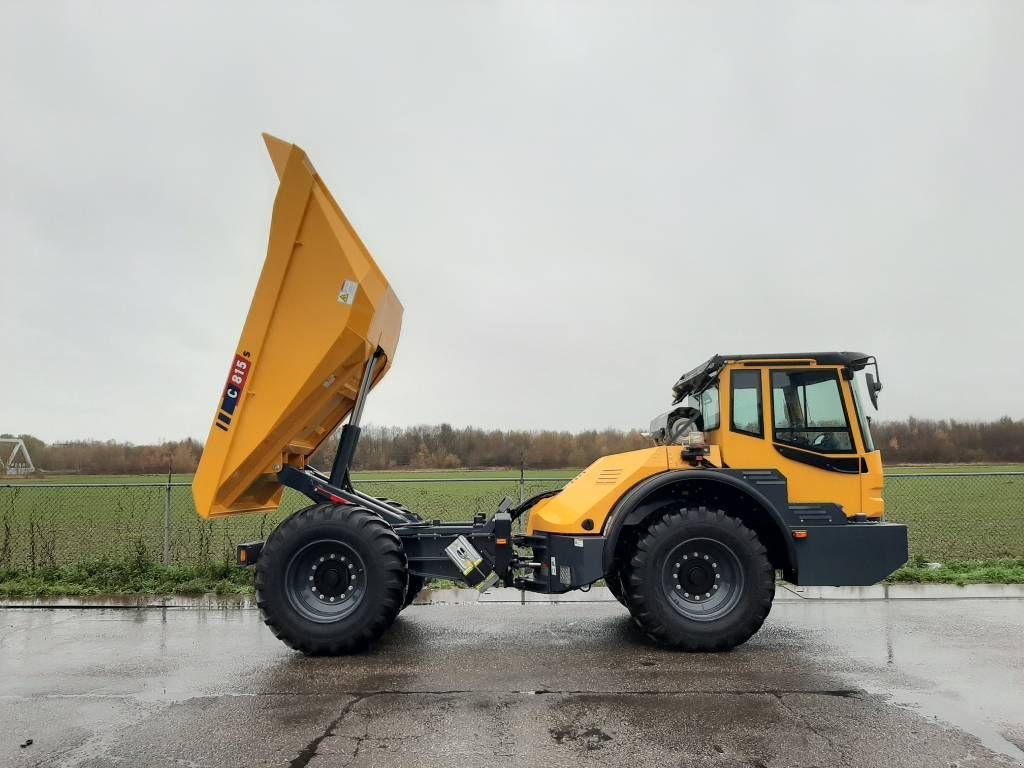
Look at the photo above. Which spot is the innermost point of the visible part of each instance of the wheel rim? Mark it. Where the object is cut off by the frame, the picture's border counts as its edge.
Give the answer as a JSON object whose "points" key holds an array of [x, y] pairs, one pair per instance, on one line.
{"points": [[325, 580], [702, 579]]}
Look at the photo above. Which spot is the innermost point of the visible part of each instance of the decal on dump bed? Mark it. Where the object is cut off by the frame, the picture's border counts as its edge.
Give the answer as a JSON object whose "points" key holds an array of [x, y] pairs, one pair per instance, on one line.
{"points": [[347, 294], [233, 390]]}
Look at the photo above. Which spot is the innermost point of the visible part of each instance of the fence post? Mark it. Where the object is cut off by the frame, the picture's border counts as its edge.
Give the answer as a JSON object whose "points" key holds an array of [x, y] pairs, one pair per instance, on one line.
{"points": [[167, 518], [519, 522], [522, 477]]}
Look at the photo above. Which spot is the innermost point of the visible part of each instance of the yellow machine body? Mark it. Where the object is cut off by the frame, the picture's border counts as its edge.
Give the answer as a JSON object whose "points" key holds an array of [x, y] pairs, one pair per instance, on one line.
{"points": [[583, 507], [764, 464], [322, 308]]}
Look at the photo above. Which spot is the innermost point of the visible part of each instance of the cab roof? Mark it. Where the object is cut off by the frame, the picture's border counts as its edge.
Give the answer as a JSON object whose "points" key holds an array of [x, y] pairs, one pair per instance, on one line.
{"points": [[703, 375]]}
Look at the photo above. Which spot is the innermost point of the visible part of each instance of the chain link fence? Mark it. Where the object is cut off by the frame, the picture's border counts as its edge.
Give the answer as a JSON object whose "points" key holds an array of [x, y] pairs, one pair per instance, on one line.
{"points": [[950, 516]]}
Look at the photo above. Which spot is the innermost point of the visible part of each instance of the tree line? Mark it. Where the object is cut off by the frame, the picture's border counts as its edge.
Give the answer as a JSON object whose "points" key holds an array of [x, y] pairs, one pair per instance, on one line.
{"points": [[445, 447], [949, 441], [110, 457]]}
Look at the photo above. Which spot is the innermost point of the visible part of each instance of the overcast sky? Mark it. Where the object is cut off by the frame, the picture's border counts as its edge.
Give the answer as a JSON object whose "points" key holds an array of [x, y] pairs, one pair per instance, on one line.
{"points": [[574, 201]]}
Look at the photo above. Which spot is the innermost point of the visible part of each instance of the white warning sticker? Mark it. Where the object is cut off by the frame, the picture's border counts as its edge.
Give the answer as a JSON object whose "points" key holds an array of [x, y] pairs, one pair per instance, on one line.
{"points": [[347, 294]]}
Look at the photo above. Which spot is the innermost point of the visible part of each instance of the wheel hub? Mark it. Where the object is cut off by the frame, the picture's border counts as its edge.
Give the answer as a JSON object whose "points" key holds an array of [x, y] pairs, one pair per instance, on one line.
{"points": [[696, 575], [702, 579], [333, 578], [325, 580], [697, 578]]}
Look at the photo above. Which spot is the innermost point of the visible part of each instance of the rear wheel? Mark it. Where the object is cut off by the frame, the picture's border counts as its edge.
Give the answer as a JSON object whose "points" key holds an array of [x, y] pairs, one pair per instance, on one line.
{"points": [[416, 583], [331, 579], [699, 580]]}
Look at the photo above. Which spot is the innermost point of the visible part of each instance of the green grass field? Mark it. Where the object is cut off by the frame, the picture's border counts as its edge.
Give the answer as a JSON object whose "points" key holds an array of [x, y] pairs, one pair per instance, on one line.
{"points": [[951, 469], [979, 516]]}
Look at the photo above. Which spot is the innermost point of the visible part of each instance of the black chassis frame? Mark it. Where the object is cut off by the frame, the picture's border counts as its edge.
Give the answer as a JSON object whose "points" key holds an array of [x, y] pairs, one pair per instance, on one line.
{"points": [[425, 541], [829, 550]]}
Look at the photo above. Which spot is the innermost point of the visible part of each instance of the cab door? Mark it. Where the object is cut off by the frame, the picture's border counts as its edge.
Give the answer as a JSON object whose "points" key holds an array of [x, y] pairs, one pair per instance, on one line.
{"points": [[795, 419], [813, 436]]}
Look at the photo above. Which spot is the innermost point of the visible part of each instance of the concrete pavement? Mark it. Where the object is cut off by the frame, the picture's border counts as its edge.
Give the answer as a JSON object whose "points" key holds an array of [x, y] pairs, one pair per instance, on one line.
{"points": [[826, 683]]}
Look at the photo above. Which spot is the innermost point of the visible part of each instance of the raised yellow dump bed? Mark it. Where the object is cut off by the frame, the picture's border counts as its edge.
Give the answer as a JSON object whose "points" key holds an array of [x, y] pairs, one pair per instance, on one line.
{"points": [[321, 309]]}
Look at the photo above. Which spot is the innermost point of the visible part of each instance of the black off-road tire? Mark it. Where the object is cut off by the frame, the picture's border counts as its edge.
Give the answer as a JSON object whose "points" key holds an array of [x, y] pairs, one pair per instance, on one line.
{"points": [[703, 548], [616, 577], [416, 583], [413, 588], [340, 551], [614, 583]]}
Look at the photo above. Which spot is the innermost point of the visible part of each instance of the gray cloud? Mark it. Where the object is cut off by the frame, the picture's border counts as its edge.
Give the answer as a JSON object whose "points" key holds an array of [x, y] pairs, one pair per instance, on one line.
{"points": [[575, 202]]}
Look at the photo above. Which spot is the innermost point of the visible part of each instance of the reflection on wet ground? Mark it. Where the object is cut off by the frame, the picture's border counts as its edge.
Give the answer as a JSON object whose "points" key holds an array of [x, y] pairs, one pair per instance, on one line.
{"points": [[900, 683]]}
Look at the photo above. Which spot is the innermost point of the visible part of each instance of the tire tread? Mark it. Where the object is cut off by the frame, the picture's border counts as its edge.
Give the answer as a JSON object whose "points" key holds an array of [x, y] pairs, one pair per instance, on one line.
{"points": [[640, 596], [387, 551]]}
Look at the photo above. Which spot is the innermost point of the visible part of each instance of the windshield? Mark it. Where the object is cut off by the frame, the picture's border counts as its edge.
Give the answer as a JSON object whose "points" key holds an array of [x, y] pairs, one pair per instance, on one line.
{"points": [[860, 397], [808, 412]]}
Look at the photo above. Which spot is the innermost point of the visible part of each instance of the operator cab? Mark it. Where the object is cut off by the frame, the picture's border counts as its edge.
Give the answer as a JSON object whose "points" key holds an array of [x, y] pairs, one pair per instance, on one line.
{"points": [[804, 413]]}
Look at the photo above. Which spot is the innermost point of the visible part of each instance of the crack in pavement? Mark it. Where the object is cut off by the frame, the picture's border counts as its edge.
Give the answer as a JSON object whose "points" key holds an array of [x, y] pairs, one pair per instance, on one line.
{"points": [[812, 727], [308, 752], [846, 693]]}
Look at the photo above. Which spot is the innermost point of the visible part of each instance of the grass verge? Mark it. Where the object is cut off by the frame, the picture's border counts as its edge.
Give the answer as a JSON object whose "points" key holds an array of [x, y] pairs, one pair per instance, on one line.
{"points": [[961, 572], [130, 576]]}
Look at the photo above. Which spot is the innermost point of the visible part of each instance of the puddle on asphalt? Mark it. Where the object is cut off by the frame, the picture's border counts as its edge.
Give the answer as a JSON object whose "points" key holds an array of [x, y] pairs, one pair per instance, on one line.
{"points": [[941, 707], [929, 676], [140, 602]]}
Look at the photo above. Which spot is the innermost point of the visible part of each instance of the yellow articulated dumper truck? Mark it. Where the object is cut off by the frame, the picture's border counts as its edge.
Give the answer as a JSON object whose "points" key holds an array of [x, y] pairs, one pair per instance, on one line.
{"points": [[764, 465]]}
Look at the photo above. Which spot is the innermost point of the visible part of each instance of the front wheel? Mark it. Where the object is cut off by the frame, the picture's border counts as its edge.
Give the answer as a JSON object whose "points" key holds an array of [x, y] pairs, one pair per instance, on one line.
{"points": [[331, 579], [699, 580], [614, 583]]}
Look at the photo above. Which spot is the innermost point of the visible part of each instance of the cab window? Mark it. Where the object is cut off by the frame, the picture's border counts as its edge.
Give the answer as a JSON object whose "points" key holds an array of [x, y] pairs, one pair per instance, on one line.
{"points": [[808, 412], [709, 408], [745, 398]]}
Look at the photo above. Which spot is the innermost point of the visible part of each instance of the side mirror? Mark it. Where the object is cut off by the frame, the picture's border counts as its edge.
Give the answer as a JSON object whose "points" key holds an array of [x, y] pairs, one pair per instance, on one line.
{"points": [[874, 387]]}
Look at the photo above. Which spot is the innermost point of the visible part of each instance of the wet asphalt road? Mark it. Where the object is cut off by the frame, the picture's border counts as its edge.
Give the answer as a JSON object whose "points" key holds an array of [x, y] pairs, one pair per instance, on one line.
{"points": [[898, 683]]}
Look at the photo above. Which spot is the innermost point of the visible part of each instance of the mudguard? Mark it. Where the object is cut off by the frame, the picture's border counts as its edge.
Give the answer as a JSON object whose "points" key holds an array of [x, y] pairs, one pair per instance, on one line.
{"points": [[767, 488]]}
